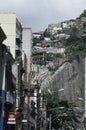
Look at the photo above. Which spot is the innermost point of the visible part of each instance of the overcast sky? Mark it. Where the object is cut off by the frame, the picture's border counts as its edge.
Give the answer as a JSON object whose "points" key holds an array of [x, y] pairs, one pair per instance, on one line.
{"points": [[37, 14]]}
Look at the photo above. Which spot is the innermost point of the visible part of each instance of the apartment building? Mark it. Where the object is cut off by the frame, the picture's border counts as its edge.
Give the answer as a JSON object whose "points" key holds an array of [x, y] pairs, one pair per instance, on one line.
{"points": [[13, 30], [27, 59], [54, 28], [27, 49], [7, 88]]}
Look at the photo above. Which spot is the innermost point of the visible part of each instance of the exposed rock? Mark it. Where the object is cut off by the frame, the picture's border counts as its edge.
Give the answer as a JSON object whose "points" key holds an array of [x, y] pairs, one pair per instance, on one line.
{"points": [[70, 77]]}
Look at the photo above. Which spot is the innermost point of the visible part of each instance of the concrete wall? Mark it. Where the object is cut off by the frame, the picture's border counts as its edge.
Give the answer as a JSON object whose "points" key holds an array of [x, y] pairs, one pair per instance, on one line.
{"points": [[70, 77]]}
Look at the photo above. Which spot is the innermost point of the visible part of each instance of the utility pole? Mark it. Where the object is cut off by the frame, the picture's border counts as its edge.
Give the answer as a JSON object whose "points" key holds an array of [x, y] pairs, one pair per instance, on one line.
{"points": [[17, 86], [38, 106], [3, 91], [50, 122], [85, 98]]}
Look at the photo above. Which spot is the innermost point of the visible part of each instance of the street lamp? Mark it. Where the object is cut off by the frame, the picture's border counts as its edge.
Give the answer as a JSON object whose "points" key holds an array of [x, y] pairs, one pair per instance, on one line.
{"points": [[55, 117], [52, 92], [53, 109]]}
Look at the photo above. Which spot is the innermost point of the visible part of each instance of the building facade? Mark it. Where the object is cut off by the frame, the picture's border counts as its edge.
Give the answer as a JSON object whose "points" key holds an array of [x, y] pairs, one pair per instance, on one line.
{"points": [[7, 88], [13, 30], [27, 50]]}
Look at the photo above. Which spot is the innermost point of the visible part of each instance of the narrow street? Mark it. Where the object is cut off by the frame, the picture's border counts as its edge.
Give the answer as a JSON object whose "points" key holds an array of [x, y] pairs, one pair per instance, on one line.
{"points": [[42, 75]]}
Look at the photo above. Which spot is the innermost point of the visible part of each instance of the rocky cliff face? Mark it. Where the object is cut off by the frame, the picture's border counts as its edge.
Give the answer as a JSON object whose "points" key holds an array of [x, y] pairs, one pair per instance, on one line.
{"points": [[70, 77]]}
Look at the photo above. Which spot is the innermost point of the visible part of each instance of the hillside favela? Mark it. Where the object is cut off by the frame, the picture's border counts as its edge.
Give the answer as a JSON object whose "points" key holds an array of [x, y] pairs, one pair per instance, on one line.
{"points": [[42, 75]]}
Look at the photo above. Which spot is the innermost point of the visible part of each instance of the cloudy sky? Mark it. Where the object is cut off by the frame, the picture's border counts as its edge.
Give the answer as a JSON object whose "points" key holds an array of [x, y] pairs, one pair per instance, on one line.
{"points": [[37, 14]]}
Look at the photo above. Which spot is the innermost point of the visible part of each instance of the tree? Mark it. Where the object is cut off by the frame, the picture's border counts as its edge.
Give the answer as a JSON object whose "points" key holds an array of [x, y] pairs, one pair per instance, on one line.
{"points": [[62, 113], [46, 33], [35, 41], [83, 14], [74, 36], [75, 44]]}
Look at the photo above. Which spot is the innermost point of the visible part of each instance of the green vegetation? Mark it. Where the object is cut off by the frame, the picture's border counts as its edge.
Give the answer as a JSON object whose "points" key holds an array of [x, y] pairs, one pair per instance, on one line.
{"points": [[48, 57], [40, 62], [75, 44], [83, 14], [51, 56], [46, 33], [41, 38], [35, 41], [62, 113]]}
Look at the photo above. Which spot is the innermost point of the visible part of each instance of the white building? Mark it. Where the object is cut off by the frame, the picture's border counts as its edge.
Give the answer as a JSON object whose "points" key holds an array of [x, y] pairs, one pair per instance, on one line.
{"points": [[27, 49], [13, 30], [56, 50], [36, 35], [54, 28]]}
